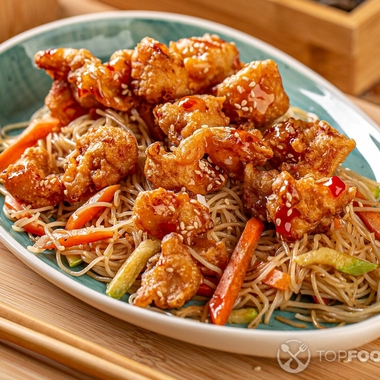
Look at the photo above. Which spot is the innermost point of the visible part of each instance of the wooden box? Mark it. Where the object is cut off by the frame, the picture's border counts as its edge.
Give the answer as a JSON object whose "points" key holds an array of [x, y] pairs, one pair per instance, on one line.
{"points": [[344, 47], [17, 16]]}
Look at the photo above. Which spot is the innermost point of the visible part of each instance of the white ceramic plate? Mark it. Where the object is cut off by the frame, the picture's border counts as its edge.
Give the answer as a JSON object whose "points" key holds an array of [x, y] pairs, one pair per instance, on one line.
{"points": [[22, 91]]}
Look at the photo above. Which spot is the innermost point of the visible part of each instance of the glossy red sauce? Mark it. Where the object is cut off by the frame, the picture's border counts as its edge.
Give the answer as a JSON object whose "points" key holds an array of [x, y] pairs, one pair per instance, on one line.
{"points": [[336, 186], [283, 222]]}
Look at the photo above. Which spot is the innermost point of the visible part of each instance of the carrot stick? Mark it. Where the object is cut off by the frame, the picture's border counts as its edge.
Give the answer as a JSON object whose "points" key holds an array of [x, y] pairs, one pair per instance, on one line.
{"points": [[370, 219], [14, 205], [37, 129], [226, 292], [277, 279], [85, 213], [73, 238]]}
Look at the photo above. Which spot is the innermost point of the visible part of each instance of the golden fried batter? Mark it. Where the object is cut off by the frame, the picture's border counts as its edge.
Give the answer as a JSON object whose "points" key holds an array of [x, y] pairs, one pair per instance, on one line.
{"points": [[159, 75], [213, 252], [308, 206], [92, 83], [228, 148], [62, 103], [163, 170], [307, 148], [160, 212], [104, 156], [254, 93], [182, 118], [108, 83], [257, 187], [31, 180], [173, 280], [208, 60]]}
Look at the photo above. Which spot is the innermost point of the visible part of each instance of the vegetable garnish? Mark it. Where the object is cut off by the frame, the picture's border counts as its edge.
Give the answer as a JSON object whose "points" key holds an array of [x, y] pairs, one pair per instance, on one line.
{"points": [[132, 267], [242, 316], [37, 129], [14, 205], [277, 279], [369, 218], [339, 260], [85, 212], [73, 238], [226, 292]]}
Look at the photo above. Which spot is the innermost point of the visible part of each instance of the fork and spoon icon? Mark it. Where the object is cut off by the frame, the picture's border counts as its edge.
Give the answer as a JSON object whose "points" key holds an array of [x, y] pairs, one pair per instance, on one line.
{"points": [[294, 357]]}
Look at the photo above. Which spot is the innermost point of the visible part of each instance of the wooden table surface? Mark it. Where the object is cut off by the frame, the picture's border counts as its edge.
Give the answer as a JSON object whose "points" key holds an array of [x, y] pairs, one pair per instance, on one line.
{"points": [[22, 288]]}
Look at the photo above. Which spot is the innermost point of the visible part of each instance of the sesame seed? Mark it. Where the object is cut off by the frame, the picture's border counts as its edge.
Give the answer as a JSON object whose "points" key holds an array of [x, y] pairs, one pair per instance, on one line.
{"points": [[244, 102], [189, 228], [169, 270], [289, 197], [93, 76], [238, 106], [125, 92], [124, 85], [278, 222], [209, 187], [288, 204], [159, 293], [116, 99], [116, 76], [182, 225], [252, 84], [289, 212], [240, 89], [198, 172], [245, 109], [171, 208], [196, 224]]}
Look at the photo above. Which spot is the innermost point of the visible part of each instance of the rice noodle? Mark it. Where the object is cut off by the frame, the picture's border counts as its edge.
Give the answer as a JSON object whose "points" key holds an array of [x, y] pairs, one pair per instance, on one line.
{"points": [[353, 298]]}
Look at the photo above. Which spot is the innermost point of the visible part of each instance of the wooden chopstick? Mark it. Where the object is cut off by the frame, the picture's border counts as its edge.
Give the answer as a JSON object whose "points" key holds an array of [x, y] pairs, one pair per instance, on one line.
{"points": [[63, 347]]}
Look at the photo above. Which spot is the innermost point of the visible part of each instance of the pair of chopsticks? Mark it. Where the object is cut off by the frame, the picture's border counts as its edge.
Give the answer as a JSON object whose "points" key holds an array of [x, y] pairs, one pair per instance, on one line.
{"points": [[63, 347]]}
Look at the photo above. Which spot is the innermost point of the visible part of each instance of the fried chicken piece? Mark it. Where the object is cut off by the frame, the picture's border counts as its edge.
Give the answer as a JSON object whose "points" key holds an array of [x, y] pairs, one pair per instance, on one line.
{"points": [[228, 148], [62, 103], [159, 75], [173, 280], [306, 205], [182, 118], [108, 84], [213, 252], [104, 156], [257, 187], [208, 60], [31, 180], [198, 177], [160, 212], [92, 83], [59, 62], [254, 93], [307, 148]]}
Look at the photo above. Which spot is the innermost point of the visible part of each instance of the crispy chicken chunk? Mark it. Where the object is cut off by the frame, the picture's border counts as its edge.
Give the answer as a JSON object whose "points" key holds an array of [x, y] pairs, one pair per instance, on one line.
{"points": [[182, 118], [104, 156], [62, 103], [174, 278], [160, 212], [208, 60], [213, 252], [304, 206], [303, 148], [198, 177], [159, 75], [108, 84], [92, 83], [257, 187], [254, 93], [31, 180], [228, 148]]}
